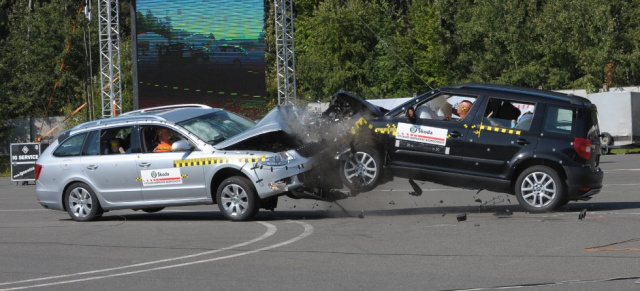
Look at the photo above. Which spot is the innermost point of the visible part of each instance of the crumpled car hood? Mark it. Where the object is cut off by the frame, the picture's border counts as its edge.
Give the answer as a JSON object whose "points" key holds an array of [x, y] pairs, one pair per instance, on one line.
{"points": [[286, 127], [277, 120], [345, 104]]}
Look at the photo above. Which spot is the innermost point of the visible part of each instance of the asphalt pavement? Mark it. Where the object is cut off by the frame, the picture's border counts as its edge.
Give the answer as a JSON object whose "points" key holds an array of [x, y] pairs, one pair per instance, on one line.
{"points": [[386, 239]]}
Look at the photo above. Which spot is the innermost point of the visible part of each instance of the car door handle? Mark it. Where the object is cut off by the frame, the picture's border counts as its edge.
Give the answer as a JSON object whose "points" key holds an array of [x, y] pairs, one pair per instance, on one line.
{"points": [[455, 134], [522, 141], [144, 165], [92, 167]]}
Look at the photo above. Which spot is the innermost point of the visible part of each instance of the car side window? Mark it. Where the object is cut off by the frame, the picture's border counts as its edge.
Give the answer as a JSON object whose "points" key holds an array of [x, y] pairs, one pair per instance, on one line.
{"points": [[115, 141], [559, 120], [509, 113], [158, 139], [70, 147], [93, 144], [442, 107]]}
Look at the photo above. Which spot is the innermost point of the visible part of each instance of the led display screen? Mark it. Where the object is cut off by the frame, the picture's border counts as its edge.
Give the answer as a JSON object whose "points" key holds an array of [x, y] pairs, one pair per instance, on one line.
{"points": [[207, 52]]}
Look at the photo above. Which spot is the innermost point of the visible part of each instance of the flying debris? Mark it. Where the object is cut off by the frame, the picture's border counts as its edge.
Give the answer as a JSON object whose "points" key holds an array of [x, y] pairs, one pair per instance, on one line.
{"points": [[392, 203], [583, 214], [417, 191], [503, 214], [461, 217], [361, 215], [478, 200]]}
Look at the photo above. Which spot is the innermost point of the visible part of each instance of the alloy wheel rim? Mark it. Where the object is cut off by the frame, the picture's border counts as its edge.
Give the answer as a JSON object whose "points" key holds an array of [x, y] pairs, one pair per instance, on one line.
{"points": [[80, 202], [538, 189], [235, 200], [362, 170]]}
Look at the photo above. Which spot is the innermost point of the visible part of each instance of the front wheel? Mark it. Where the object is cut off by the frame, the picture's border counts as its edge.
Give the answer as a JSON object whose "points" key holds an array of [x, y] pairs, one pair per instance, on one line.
{"points": [[82, 203], [237, 199], [540, 189], [362, 171]]}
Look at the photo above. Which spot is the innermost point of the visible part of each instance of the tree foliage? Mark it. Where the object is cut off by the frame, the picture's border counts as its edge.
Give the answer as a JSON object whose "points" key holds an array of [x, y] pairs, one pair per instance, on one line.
{"points": [[382, 48], [34, 56], [374, 48]]}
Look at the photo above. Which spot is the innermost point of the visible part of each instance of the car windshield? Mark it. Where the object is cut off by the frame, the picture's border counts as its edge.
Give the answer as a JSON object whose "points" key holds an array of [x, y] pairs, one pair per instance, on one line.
{"points": [[218, 126]]}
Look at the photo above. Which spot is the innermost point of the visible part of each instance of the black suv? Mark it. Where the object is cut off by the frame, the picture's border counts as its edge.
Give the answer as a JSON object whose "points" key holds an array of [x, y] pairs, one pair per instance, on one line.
{"points": [[542, 146]]}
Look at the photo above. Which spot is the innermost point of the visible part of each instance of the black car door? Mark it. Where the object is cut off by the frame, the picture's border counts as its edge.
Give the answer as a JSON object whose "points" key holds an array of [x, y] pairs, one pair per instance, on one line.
{"points": [[433, 139], [505, 130]]}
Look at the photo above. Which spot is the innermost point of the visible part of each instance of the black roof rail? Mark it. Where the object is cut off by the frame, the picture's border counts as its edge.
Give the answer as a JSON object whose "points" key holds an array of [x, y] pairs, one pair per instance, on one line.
{"points": [[573, 99], [166, 107]]}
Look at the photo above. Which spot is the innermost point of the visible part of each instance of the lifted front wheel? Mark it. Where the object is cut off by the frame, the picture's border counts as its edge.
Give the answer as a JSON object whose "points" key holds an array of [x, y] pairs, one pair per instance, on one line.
{"points": [[362, 171]]}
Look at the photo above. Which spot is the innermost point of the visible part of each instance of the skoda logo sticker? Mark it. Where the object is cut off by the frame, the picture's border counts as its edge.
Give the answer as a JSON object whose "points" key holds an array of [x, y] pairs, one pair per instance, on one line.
{"points": [[413, 129], [153, 174]]}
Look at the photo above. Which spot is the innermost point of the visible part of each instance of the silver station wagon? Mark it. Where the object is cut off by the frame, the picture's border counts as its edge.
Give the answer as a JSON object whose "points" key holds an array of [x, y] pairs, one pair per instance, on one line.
{"points": [[173, 156]]}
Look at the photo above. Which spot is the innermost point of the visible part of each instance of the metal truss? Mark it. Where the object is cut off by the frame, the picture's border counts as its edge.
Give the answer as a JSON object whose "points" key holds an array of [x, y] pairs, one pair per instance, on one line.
{"points": [[109, 31], [286, 65]]}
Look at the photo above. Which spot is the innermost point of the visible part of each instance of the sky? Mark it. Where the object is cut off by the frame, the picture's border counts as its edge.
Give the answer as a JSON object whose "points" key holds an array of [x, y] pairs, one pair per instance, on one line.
{"points": [[226, 19]]}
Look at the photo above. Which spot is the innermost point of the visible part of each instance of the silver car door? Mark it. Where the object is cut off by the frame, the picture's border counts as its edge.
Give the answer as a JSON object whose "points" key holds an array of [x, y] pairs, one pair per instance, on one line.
{"points": [[162, 179], [112, 174]]}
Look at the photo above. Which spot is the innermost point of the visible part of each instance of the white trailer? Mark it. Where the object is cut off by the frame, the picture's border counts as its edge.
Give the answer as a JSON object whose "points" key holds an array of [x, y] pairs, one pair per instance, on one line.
{"points": [[619, 118]]}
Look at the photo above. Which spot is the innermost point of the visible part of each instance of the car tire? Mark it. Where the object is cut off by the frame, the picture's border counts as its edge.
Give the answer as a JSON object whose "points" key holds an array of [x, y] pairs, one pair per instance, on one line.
{"points": [[362, 171], [82, 203], [152, 210], [237, 199], [540, 189], [606, 140]]}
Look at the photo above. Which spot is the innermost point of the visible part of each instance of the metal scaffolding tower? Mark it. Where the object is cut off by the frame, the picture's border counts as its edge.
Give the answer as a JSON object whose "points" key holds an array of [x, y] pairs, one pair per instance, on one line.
{"points": [[286, 65], [109, 30]]}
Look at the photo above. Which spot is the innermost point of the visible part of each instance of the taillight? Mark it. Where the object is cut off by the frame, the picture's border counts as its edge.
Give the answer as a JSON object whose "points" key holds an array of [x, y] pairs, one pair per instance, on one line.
{"points": [[38, 169], [582, 147]]}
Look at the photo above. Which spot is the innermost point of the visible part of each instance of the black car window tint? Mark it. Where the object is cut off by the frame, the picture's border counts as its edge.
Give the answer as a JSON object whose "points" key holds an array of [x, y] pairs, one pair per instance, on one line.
{"points": [[558, 120], [70, 147]]}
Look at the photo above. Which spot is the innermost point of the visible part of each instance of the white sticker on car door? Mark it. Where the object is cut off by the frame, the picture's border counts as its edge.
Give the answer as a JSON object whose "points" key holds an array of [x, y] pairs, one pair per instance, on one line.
{"points": [[423, 134], [161, 177]]}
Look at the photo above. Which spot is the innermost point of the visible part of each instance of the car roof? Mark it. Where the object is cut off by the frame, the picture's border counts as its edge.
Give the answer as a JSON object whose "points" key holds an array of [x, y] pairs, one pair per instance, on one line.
{"points": [[482, 88], [170, 113]]}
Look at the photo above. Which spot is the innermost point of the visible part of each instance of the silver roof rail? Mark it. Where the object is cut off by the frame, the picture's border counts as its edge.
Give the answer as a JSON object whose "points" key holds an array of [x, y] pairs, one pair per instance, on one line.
{"points": [[166, 107]]}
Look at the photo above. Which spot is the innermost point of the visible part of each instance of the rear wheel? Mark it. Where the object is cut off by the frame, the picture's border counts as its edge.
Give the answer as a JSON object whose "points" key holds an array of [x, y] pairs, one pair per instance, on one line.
{"points": [[82, 203], [362, 171], [606, 140], [237, 199], [539, 189]]}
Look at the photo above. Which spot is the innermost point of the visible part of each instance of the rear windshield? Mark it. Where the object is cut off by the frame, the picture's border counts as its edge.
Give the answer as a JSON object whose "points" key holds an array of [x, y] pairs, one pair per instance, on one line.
{"points": [[592, 123]]}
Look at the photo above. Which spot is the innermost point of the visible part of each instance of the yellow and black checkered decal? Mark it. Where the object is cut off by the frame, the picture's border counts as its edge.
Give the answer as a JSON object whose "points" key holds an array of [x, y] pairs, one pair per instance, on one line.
{"points": [[391, 129], [500, 129], [217, 160]]}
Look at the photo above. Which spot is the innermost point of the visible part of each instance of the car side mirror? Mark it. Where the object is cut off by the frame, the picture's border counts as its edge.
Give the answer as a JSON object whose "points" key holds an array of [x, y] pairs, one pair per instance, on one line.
{"points": [[180, 146]]}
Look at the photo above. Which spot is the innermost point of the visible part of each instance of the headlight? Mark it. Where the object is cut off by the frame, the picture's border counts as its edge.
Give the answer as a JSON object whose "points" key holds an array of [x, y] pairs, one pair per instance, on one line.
{"points": [[280, 159]]}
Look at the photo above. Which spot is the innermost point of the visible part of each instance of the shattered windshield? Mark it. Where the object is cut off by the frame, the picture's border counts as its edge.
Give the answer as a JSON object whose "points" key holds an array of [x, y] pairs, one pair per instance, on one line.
{"points": [[218, 126]]}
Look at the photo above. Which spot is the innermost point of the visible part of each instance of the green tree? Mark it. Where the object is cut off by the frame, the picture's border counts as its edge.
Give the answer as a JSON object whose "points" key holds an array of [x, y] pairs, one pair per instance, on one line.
{"points": [[352, 45]]}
